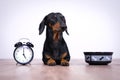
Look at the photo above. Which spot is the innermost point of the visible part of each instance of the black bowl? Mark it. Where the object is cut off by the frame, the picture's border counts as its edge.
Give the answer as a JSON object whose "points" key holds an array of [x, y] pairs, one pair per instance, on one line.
{"points": [[98, 58]]}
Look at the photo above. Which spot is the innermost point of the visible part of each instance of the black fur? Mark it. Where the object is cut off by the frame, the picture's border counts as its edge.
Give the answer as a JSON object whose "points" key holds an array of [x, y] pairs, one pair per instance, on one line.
{"points": [[52, 48]]}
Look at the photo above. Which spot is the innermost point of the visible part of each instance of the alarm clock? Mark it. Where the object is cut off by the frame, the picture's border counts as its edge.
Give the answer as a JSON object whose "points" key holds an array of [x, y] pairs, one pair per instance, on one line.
{"points": [[23, 53]]}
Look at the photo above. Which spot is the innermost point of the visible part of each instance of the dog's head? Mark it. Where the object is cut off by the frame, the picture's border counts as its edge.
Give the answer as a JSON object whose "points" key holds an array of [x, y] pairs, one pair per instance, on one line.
{"points": [[55, 21]]}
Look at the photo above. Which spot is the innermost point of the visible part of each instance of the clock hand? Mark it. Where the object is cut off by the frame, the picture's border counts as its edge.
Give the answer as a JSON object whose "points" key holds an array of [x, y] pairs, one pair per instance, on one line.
{"points": [[24, 54]]}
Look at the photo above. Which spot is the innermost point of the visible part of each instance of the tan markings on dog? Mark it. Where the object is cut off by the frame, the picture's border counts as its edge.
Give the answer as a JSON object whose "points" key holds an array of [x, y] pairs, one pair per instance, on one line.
{"points": [[56, 26], [56, 36], [63, 55], [51, 62], [47, 56], [64, 62]]}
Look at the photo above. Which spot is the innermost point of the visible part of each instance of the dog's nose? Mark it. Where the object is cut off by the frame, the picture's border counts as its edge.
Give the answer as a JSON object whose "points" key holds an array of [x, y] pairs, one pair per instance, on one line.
{"points": [[63, 28]]}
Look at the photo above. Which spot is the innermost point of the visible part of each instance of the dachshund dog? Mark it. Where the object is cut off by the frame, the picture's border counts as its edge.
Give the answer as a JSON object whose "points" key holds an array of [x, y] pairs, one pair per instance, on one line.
{"points": [[55, 51]]}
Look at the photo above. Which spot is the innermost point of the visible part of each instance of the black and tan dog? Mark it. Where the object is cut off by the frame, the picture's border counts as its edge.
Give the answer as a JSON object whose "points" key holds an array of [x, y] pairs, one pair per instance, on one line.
{"points": [[55, 50]]}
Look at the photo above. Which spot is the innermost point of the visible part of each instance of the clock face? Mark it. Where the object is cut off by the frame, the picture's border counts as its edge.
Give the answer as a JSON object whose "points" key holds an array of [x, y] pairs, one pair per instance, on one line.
{"points": [[23, 54]]}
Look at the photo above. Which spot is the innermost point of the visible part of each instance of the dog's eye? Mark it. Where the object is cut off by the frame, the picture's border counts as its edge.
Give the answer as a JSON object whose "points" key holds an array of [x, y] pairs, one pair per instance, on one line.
{"points": [[52, 21]]}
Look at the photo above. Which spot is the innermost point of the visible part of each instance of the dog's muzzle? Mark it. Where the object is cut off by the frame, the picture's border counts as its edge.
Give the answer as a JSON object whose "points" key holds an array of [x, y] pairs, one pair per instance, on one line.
{"points": [[62, 24], [63, 28]]}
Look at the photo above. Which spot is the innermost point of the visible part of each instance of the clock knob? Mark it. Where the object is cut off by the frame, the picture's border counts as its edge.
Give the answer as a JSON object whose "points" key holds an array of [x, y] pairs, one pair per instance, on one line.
{"points": [[18, 44], [29, 44]]}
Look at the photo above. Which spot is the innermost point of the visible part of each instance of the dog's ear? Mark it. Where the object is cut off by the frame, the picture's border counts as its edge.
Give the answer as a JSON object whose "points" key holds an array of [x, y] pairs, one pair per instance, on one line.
{"points": [[66, 26], [42, 26], [65, 23], [66, 32]]}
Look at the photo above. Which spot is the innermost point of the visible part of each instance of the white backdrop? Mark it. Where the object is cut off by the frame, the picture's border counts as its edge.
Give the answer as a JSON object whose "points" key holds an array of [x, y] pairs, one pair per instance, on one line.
{"points": [[93, 25]]}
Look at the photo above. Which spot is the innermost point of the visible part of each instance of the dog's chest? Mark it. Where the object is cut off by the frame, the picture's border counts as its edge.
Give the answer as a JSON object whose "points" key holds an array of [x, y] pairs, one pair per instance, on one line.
{"points": [[56, 36]]}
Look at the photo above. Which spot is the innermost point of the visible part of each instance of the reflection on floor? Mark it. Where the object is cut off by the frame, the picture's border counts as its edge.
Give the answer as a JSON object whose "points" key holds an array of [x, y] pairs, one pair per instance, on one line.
{"points": [[78, 70]]}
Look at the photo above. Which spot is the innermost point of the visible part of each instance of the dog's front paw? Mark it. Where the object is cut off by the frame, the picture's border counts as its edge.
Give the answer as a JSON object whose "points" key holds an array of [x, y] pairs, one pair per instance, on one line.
{"points": [[51, 62], [64, 62]]}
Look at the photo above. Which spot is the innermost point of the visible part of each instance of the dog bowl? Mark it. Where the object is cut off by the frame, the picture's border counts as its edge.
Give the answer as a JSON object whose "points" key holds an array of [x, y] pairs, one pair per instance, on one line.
{"points": [[98, 58]]}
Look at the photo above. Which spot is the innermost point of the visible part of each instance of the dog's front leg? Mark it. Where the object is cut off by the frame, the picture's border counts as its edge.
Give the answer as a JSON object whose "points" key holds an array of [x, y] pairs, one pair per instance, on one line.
{"points": [[50, 62], [64, 62]]}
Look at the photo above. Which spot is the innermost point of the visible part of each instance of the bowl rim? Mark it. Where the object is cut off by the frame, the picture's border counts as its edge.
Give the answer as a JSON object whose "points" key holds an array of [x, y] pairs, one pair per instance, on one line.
{"points": [[98, 53]]}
